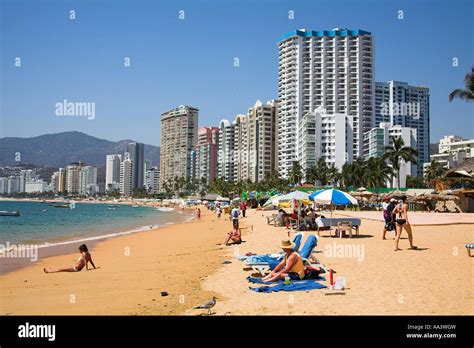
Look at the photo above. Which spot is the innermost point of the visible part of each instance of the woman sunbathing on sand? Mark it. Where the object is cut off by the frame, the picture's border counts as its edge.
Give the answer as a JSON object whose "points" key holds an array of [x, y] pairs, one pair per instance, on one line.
{"points": [[83, 260], [235, 235]]}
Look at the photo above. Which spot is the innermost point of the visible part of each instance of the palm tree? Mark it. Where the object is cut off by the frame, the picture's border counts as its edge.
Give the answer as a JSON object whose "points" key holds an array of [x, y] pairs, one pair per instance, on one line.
{"points": [[333, 174], [295, 174], [377, 172], [398, 152], [434, 171], [465, 94]]}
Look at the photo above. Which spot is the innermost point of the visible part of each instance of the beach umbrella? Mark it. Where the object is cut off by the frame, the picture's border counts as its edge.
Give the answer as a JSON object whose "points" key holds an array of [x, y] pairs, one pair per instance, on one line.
{"points": [[332, 197], [298, 195], [273, 200]]}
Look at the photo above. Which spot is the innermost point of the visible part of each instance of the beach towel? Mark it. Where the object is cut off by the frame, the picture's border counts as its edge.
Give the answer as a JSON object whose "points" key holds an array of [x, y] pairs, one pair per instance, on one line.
{"points": [[304, 285], [260, 280], [272, 259]]}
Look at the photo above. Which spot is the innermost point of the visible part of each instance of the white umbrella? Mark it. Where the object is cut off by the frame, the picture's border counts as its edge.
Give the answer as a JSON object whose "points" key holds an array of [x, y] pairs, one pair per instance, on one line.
{"points": [[298, 195]]}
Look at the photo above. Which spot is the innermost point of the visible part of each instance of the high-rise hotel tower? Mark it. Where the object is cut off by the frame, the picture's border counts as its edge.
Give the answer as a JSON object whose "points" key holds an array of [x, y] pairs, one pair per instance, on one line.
{"points": [[331, 69], [179, 133]]}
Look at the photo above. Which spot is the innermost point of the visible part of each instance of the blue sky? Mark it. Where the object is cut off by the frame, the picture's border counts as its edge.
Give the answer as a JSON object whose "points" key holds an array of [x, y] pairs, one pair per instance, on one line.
{"points": [[190, 62]]}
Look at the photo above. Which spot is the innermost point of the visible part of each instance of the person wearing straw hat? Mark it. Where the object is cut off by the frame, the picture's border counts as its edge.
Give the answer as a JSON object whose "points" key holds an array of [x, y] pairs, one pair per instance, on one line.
{"points": [[291, 266]]}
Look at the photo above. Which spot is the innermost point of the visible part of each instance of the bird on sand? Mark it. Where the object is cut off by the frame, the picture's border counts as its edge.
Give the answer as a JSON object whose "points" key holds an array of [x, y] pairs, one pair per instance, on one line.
{"points": [[207, 305]]}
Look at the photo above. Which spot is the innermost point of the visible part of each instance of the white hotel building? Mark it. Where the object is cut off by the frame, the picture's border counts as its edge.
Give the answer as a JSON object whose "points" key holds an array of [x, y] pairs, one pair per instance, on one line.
{"points": [[225, 153], [398, 103], [112, 172], [379, 137], [330, 69], [325, 135]]}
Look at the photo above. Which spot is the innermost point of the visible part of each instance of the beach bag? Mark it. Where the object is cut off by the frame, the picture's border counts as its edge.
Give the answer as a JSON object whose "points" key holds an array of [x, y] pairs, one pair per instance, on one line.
{"points": [[311, 273]]}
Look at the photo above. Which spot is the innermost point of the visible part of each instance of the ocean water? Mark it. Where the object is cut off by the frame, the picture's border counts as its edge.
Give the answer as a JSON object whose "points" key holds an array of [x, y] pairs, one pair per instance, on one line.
{"points": [[42, 224]]}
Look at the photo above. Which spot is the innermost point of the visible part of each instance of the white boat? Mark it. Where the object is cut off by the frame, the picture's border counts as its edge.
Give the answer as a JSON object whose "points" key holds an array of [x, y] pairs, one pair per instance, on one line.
{"points": [[9, 213]]}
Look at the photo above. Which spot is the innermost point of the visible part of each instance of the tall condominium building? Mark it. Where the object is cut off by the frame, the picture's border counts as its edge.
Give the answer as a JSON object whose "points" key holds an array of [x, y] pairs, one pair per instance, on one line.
{"points": [[3, 185], [126, 176], [112, 172], [55, 182], [88, 181], [379, 137], [152, 180], [62, 180], [325, 135], [136, 151], [13, 184], [72, 177], [225, 154], [408, 106], [27, 175], [331, 69], [255, 142], [206, 154], [179, 129]]}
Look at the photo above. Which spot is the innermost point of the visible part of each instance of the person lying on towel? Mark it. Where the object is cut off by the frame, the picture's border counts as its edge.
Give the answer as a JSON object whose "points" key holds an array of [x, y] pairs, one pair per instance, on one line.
{"points": [[291, 266]]}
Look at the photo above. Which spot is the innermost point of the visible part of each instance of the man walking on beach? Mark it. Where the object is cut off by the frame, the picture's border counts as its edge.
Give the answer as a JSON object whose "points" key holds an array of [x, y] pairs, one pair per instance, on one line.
{"points": [[235, 216], [243, 208], [387, 214]]}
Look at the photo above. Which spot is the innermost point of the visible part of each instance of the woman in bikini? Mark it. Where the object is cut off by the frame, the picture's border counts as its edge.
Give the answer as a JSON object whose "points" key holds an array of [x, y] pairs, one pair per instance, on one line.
{"points": [[402, 223], [235, 235], [77, 266]]}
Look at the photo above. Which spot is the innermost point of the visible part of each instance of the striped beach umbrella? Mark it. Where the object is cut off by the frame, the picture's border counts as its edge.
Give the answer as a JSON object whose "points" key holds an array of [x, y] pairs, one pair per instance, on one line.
{"points": [[333, 197]]}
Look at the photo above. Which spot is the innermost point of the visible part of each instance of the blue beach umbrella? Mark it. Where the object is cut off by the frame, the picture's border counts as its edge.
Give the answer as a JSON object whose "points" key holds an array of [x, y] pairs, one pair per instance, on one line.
{"points": [[332, 197]]}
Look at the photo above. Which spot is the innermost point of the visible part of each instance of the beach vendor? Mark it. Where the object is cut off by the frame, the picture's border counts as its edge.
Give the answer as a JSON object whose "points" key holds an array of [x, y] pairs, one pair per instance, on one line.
{"points": [[235, 216], [389, 222]]}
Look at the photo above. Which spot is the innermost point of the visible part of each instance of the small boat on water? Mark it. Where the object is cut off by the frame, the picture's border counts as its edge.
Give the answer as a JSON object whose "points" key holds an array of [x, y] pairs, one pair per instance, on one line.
{"points": [[61, 205], [9, 213]]}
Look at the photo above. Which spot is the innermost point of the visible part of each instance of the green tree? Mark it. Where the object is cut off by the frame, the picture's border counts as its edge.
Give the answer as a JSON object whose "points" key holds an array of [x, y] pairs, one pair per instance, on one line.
{"points": [[467, 93], [396, 153], [333, 174], [434, 171], [377, 172], [295, 174]]}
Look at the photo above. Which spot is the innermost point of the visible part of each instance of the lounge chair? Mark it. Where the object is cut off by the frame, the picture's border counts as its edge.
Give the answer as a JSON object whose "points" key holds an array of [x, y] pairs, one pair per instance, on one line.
{"points": [[308, 251], [306, 255], [469, 247], [275, 220]]}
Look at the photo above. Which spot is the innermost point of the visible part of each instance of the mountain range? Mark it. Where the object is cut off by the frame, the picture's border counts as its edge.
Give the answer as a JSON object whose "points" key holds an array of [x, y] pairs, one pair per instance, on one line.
{"points": [[60, 149]]}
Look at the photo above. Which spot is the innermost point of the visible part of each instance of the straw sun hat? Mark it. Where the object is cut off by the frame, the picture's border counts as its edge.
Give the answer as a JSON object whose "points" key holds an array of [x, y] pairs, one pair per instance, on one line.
{"points": [[287, 244]]}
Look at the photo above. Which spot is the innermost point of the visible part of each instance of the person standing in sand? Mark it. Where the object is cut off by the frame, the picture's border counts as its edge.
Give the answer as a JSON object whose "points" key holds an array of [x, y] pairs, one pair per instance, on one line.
{"points": [[388, 217], [83, 260], [198, 213], [402, 222]]}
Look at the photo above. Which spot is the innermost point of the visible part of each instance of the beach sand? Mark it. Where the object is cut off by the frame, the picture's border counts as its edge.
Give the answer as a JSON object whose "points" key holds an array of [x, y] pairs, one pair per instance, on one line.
{"points": [[185, 261], [172, 258]]}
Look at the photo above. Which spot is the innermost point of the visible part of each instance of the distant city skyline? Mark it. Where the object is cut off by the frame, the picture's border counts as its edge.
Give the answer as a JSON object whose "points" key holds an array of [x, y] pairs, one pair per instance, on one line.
{"points": [[191, 61]]}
